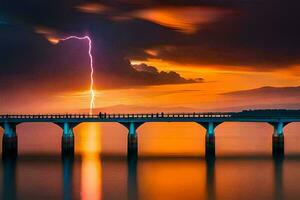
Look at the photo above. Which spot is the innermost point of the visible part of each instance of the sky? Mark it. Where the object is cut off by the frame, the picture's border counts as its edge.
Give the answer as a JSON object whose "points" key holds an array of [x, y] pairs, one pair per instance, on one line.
{"points": [[149, 55]]}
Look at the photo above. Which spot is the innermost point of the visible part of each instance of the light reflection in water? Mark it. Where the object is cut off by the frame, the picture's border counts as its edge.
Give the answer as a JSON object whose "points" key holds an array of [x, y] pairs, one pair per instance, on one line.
{"points": [[89, 146], [163, 179], [91, 173]]}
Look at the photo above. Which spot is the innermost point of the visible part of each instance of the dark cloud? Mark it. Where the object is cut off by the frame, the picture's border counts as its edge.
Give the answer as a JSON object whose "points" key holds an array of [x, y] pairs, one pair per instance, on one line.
{"points": [[258, 35], [28, 60], [261, 36], [150, 73]]}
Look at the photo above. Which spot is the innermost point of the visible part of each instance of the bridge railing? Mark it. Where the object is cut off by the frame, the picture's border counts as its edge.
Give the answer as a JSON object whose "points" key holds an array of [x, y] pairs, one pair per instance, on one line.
{"points": [[117, 116]]}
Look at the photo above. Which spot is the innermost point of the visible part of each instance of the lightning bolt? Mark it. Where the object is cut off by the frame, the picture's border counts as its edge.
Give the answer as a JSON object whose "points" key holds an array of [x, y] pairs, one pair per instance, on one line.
{"points": [[92, 92]]}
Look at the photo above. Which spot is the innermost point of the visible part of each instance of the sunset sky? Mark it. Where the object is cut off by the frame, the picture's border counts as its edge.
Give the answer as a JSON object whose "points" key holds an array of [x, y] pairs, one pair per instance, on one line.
{"points": [[149, 55]]}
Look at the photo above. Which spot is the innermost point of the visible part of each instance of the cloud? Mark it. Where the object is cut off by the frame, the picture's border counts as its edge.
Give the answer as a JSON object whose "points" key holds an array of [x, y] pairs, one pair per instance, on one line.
{"points": [[151, 74], [145, 68], [31, 61], [258, 36], [184, 19], [93, 8]]}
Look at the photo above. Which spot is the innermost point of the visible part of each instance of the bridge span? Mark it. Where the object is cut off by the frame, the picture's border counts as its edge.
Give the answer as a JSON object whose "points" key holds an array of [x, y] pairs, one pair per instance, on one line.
{"points": [[209, 120]]}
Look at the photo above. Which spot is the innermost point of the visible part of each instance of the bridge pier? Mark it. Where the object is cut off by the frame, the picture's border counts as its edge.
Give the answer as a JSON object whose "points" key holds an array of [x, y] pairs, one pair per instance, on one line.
{"points": [[209, 138], [67, 142], [132, 146], [10, 139], [132, 139], [210, 147], [278, 146], [278, 139]]}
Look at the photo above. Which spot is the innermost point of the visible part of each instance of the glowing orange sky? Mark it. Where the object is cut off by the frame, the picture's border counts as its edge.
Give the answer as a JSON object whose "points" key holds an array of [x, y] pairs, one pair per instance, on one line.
{"points": [[200, 96]]}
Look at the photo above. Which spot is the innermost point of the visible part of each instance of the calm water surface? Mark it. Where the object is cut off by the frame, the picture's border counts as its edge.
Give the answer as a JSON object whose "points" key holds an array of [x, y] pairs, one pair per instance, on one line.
{"points": [[171, 164]]}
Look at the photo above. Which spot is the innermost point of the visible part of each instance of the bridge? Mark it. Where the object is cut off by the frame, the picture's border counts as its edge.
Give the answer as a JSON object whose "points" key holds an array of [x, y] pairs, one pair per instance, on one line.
{"points": [[209, 120]]}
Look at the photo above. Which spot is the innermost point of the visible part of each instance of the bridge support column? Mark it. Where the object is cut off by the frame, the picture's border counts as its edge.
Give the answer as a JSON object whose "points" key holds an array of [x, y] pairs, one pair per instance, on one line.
{"points": [[67, 142], [209, 138], [210, 147], [278, 139], [132, 141], [132, 145], [10, 139]]}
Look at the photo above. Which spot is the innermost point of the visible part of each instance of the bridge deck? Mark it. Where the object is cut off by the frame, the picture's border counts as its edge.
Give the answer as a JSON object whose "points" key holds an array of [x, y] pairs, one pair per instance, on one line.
{"points": [[151, 117], [115, 116]]}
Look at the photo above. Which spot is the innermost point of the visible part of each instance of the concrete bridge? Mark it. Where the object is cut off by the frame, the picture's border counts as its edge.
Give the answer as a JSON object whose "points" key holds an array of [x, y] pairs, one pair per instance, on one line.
{"points": [[277, 118]]}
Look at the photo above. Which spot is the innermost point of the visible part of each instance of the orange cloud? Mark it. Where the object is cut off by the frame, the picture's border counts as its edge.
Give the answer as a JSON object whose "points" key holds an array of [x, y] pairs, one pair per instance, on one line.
{"points": [[48, 33], [151, 52], [53, 40], [184, 19], [94, 8], [44, 30]]}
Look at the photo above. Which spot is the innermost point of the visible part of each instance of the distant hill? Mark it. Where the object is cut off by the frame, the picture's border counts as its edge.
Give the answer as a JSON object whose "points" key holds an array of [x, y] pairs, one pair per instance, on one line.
{"points": [[268, 91]]}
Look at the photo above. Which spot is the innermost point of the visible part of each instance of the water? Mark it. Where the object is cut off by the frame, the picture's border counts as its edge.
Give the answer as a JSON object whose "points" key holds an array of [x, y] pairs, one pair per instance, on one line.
{"points": [[171, 164], [149, 178]]}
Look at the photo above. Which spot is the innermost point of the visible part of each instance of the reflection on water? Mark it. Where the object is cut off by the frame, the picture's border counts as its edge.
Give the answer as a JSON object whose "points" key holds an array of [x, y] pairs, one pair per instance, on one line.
{"points": [[278, 178], [150, 178], [91, 177], [9, 177], [67, 165], [132, 184], [210, 178]]}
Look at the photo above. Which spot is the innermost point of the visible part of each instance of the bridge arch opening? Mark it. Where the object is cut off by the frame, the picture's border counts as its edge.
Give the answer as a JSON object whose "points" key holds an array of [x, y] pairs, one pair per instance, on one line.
{"points": [[171, 139], [107, 138], [244, 138], [292, 138], [39, 137]]}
